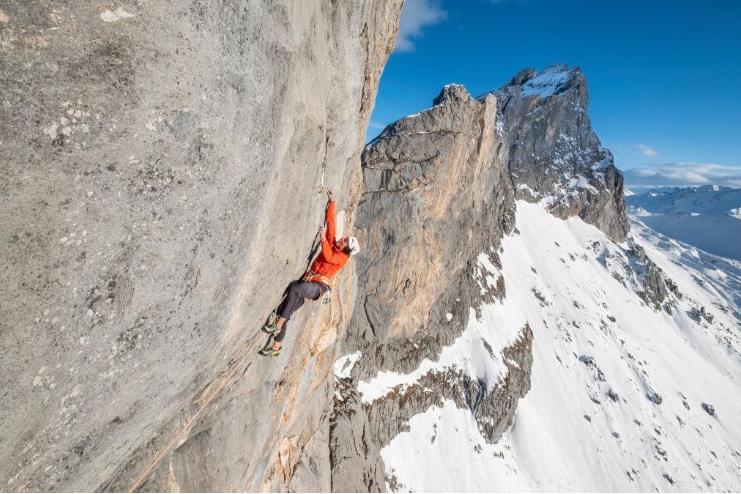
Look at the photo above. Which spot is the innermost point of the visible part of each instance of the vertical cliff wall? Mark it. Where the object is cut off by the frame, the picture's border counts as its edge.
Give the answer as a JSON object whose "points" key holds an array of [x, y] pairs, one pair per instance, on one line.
{"points": [[160, 163]]}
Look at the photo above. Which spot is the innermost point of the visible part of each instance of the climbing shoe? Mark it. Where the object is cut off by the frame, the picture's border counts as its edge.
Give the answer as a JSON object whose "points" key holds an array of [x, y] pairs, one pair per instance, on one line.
{"points": [[271, 328], [269, 351]]}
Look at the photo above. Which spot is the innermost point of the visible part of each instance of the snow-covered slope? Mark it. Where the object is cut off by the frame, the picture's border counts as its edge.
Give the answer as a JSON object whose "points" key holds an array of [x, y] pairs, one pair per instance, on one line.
{"points": [[623, 396], [706, 217], [716, 234]]}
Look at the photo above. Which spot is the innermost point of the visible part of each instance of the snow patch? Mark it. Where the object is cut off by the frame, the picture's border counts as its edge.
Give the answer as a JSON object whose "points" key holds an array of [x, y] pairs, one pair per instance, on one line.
{"points": [[528, 189], [498, 326], [581, 182], [548, 82], [343, 366]]}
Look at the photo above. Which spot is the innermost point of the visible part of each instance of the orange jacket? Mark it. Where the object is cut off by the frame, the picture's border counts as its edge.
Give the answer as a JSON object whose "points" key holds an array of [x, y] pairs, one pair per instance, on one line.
{"points": [[330, 259]]}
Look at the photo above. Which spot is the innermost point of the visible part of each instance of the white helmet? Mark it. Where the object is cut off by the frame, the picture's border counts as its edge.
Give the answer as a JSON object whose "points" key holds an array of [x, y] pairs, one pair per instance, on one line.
{"points": [[354, 245]]}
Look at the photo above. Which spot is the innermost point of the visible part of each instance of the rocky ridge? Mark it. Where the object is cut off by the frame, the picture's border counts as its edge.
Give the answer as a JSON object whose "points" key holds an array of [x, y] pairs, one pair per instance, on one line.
{"points": [[440, 189], [426, 212]]}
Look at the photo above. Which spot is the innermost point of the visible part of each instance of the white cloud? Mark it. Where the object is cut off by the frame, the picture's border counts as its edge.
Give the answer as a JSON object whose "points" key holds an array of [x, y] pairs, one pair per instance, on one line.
{"points": [[647, 150], [683, 174], [415, 15]]}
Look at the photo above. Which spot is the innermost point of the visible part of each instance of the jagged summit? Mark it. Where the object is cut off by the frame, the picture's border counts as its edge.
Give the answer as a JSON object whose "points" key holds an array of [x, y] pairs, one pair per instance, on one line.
{"points": [[551, 152], [451, 91], [554, 154]]}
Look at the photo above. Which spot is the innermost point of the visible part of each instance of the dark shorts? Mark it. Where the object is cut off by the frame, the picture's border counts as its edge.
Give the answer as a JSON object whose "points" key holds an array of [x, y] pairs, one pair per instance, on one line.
{"points": [[298, 291]]}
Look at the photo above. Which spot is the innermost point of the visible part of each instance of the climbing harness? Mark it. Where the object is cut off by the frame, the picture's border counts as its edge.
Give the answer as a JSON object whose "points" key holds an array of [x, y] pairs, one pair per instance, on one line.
{"points": [[326, 291]]}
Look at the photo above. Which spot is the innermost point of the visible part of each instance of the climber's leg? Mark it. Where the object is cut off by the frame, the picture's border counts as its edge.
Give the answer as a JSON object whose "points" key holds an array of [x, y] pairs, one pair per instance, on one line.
{"points": [[295, 299]]}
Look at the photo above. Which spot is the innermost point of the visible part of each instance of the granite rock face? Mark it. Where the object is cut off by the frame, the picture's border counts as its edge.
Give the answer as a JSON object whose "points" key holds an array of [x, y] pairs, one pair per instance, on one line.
{"points": [[159, 189]]}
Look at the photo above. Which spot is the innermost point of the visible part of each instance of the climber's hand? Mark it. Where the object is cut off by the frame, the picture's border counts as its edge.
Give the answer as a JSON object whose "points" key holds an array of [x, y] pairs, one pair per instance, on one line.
{"points": [[330, 195]]}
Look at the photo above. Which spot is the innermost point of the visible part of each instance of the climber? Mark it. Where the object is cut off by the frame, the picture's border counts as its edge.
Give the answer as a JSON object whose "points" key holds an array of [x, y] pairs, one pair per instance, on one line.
{"points": [[315, 282]]}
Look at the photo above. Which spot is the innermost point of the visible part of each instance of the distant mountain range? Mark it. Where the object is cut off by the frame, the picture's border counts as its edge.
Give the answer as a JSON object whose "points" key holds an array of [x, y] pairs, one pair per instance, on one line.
{"points": [[708, 217]]}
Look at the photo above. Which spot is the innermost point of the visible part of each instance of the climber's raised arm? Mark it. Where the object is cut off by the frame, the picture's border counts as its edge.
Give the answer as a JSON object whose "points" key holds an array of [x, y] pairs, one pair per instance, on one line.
{"points": [[328, 247], [330, 219]]}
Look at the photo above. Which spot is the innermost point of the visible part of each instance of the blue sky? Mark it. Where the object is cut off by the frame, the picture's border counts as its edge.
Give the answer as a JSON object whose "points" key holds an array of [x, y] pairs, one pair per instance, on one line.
{"points": [[664, 76]]}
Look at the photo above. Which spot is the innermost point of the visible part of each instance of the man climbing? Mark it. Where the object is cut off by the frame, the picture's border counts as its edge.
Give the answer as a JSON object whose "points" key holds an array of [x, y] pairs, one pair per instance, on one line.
{"points": [[315, 282]]}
